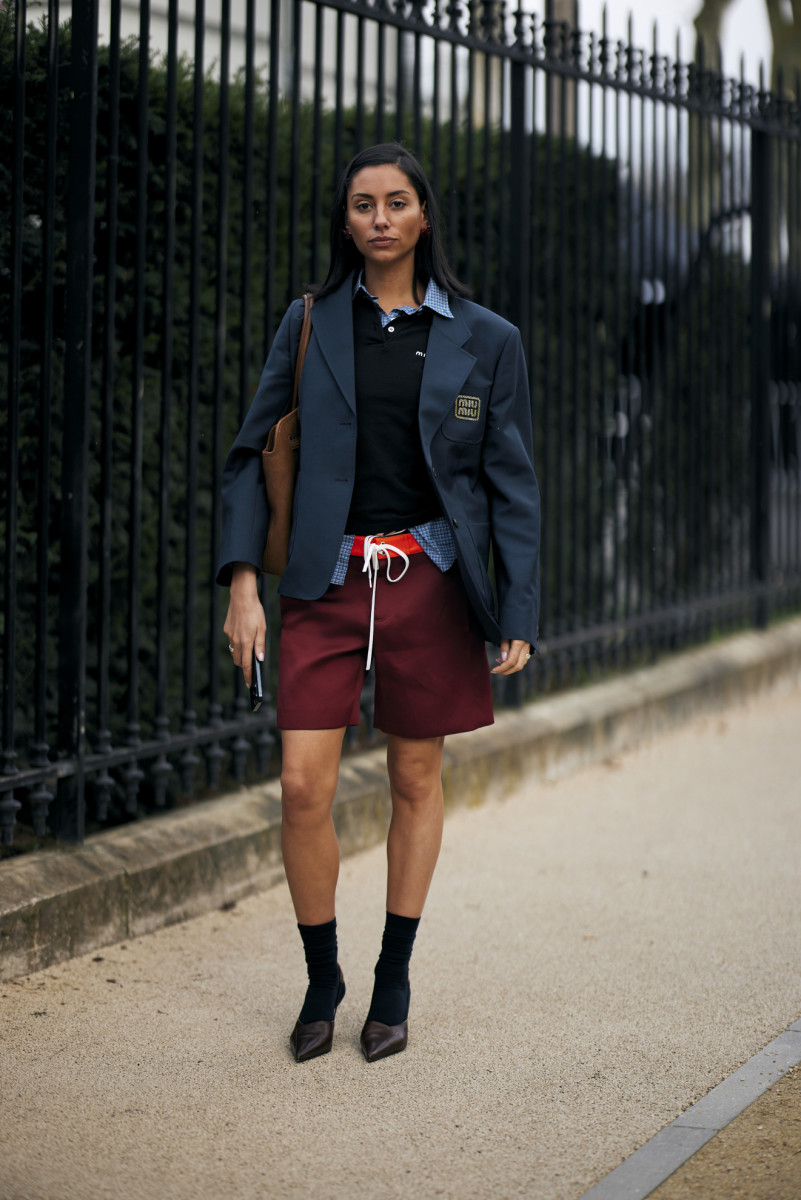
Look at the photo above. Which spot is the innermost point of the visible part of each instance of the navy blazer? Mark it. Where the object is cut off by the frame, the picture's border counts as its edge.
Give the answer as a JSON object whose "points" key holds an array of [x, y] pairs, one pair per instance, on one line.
{"points": [[475, 428]]}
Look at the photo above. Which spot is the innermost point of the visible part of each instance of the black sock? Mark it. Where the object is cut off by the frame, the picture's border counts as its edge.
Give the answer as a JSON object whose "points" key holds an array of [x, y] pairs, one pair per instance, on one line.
{"points": [[390, 1002], [322, 995]]}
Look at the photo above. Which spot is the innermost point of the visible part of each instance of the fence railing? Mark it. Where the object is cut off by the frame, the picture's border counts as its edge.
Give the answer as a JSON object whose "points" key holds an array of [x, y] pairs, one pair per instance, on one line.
{"points": [[637, 217]]}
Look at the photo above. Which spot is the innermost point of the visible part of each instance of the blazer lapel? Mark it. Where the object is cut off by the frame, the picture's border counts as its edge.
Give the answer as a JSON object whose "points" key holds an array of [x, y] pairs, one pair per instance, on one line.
{"points": [[447, 364], [332, 322], [447, 367]]}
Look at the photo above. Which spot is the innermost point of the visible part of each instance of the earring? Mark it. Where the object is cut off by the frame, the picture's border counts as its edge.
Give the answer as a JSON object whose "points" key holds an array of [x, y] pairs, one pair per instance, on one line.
{"points": [[347, 233], [426, 229]]}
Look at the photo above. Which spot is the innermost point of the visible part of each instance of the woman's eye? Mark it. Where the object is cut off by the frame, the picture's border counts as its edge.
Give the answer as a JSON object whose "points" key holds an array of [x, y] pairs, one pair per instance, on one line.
{"points": [[398, 203]]}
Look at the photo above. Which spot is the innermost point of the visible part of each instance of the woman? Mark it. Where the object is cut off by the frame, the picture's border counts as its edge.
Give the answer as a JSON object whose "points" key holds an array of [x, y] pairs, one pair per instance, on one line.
{"points": [[415, 459]]}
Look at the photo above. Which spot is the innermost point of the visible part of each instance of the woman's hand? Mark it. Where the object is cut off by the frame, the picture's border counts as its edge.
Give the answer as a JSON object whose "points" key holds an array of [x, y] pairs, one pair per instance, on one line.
{"points": [[245, 626], [514, 656]]}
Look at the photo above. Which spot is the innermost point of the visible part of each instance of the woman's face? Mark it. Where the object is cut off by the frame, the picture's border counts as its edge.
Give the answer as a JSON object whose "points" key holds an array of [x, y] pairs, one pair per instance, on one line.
{"points": [[384, 215]]}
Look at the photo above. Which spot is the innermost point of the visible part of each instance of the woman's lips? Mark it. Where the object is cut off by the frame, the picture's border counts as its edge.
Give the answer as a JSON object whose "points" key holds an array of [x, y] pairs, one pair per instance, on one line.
{"points": [[381, 241]]}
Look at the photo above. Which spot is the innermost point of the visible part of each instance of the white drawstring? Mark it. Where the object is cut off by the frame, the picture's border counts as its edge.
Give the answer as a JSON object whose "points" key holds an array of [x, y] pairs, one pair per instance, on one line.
{"points": [[371, 553]]}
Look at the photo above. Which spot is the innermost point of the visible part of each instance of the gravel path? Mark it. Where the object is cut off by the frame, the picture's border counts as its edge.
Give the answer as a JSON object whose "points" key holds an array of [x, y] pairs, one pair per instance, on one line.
{"points": [[597, 953], [757, 1157]]}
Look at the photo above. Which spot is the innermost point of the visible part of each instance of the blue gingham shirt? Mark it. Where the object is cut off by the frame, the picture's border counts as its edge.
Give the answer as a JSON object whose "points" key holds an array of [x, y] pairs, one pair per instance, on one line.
{"points": [[435, 298], [435, 536]]}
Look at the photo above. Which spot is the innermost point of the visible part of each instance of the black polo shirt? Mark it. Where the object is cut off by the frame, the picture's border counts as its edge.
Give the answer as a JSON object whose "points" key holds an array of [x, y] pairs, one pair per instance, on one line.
{"points": [[392, 488]]}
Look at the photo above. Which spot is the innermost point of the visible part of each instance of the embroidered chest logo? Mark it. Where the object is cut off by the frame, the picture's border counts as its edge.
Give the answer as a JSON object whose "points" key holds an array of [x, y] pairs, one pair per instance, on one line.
{"points": [[468, 408]]}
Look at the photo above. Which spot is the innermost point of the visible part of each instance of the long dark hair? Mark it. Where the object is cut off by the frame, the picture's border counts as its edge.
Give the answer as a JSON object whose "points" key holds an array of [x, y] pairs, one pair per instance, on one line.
{"points": [[430, 261]]}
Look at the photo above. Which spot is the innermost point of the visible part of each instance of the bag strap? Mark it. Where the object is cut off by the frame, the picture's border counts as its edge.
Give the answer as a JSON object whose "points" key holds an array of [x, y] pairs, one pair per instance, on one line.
{"points": [[305, 334]]}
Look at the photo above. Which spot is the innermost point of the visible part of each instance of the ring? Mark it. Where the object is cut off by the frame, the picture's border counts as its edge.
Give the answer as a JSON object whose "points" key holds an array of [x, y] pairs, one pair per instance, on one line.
{"points": [[528, 656], [230, 647]]}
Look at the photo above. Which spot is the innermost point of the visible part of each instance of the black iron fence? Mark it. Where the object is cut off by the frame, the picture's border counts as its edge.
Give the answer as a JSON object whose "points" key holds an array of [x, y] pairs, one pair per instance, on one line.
{"points": [[165, 190]]}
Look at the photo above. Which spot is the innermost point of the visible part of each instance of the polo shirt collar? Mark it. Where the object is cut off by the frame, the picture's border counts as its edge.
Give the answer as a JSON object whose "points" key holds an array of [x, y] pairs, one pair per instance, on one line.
{"points": [[436, 298]]}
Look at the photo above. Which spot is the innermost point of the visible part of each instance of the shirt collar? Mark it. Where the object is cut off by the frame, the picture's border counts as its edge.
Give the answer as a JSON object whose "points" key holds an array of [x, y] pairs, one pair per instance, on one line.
{"points": [[436, 298]]}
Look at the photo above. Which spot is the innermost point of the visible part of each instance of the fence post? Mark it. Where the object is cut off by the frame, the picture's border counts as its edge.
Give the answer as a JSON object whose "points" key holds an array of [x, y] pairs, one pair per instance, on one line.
{"points": [[519, 198], [68, 814], [9, 805], [761, 184]]}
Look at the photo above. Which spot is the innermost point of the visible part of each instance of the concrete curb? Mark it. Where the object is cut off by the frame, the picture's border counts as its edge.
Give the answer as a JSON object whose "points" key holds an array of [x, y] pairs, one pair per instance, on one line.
{"points": [[126, 882], [647, 1168]]}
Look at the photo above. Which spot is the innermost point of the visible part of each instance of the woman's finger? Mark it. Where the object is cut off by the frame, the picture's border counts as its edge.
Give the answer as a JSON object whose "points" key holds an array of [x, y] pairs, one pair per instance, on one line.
{"points": [[517, 654], [242, 654]]}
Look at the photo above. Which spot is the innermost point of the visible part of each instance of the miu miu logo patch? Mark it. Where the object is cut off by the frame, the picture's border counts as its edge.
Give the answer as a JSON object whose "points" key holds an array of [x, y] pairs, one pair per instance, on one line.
{"points": [[468, 408]]}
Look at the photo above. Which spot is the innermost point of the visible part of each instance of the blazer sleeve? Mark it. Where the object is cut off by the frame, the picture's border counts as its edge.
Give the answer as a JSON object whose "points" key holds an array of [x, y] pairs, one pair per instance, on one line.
{"points": [[513, 494], [245, 516]]}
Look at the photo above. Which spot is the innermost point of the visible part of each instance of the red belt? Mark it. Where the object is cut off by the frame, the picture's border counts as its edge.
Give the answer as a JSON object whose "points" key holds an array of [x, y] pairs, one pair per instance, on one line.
{"points": [[403, 541]]}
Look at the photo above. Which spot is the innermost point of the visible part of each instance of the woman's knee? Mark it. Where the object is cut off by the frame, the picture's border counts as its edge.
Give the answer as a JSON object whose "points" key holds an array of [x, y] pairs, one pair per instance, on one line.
{"points": [[306, 795], [416, 778], [309, 773]]}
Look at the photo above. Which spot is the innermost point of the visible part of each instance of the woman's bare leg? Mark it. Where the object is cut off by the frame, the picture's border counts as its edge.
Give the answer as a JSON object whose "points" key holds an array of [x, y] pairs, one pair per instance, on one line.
{"points": [[309, 773], [415, 836], [415, 832]]}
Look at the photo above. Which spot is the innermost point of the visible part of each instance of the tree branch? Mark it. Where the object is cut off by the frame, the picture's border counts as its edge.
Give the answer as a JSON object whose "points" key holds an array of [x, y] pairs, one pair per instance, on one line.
{"points": [[778, 25], [707, 26]]}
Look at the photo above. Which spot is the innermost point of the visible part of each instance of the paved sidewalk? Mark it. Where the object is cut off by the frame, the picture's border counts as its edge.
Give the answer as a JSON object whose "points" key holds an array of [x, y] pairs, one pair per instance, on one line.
{"points": [[597, 954]]}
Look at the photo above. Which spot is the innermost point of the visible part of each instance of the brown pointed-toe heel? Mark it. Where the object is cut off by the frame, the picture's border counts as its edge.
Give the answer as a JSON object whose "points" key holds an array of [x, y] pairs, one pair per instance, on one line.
{"points": [[311, 1040], [314, 1038], [379, 1040]]}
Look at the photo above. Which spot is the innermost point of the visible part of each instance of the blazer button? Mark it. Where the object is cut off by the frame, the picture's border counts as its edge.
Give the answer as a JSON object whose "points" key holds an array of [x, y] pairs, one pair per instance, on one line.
{"points": [[455, 523]]}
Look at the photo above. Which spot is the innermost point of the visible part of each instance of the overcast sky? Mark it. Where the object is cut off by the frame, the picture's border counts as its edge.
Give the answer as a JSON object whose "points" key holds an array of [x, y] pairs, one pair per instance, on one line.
{"points": [[745, 29]]}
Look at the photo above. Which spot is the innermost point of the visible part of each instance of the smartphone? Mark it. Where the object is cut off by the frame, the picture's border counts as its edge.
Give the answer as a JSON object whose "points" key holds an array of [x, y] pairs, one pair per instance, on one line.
{"points": [[256, 689]]}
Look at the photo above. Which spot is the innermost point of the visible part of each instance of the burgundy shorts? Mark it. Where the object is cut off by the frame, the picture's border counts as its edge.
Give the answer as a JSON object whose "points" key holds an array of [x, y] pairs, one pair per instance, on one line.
{"points": [[431, 670]]}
